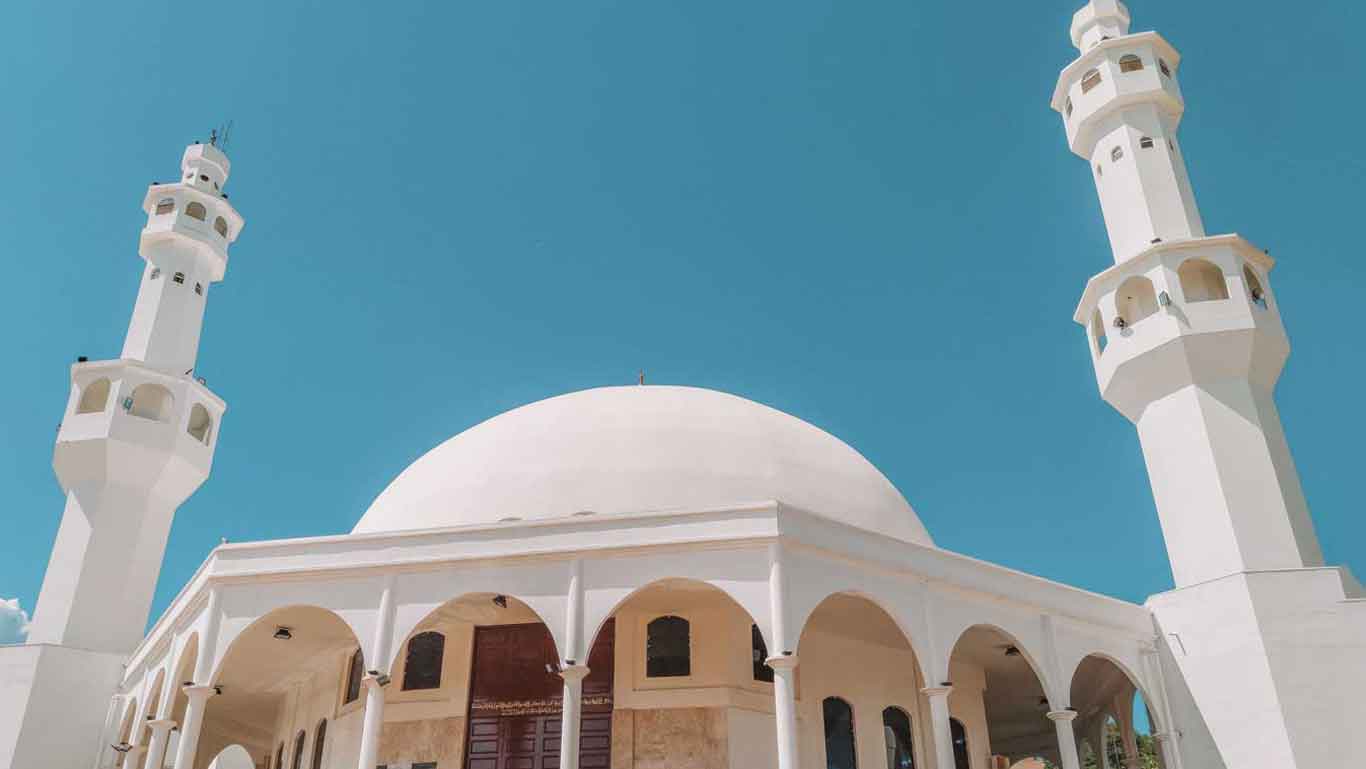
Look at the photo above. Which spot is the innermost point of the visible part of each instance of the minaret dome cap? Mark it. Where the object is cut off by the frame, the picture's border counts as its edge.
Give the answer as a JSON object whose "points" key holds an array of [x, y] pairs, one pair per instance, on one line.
{"points": [[1098, 20]]}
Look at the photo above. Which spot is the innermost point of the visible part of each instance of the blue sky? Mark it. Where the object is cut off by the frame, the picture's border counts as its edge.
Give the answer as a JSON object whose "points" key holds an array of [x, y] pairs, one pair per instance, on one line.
{"points": [[860, 213]]}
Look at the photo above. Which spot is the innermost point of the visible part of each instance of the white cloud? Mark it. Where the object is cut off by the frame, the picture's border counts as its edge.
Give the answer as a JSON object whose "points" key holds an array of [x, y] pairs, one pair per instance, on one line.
{"points": [[13, 621]]}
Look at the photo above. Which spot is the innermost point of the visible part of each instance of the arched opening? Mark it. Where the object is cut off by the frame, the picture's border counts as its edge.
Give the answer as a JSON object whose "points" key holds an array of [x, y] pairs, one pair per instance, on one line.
{"points": [[896, 728], [151, 401], [1113, 714], [125, 733], [260, 675], [661, 724], [319, 742], [1130, 63], [959, 737], [1255, 292], [853, 651], [1135, 300], [152, 711], [196, 210], [1087, 754], [298, 756], [1034, 762], [668, 647], [839, 734], [1098, 337], [423, 662], [355, 672], [1202, 281], [1162, 65], [1090, 80], [232, 757], [987, 659], [220, 225], [200, 424], [94, 397], [165, 206]]}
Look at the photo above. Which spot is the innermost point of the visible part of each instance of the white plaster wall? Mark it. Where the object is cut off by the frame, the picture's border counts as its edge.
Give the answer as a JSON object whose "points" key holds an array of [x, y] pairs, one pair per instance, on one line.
{"points": [[41, 723]]}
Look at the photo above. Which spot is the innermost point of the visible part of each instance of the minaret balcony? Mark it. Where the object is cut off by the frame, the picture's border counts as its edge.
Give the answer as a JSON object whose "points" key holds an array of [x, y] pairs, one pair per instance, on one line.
{"points": [[1181, 312], [181, 213], [130, 424], [1119, 73]]}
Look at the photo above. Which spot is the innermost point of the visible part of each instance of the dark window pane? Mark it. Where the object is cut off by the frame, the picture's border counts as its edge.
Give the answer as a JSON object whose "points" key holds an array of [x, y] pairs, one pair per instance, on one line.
{"points": [[318, 740], [896, 727], [839, 734], [298, 752], [422, 666], [762, 672], [960, 744], [353, 677], [667, 652]]}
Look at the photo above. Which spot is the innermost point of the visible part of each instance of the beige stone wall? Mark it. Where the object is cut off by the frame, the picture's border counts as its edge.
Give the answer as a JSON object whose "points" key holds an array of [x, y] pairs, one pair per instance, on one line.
{"points": [[441, 740], [673, 738]]}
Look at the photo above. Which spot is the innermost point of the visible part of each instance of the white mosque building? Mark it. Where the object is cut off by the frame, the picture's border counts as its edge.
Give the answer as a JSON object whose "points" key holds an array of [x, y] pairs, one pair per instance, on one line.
{"points": [[675, 578]]}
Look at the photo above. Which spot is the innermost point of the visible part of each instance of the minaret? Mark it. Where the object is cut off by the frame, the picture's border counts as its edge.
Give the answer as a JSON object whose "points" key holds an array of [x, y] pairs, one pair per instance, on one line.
{"points": [[1262, 647], [139, 433], [1185, 333]]}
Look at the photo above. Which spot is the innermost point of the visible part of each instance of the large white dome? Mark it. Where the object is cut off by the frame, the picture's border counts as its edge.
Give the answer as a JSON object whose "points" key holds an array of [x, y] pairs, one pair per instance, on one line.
{"points": [[639, 449]]}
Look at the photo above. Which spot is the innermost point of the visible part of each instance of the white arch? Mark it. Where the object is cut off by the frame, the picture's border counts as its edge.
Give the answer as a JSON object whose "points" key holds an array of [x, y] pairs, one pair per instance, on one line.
{"points": [[232, 757], [355, 602], [1073, 657], [229, 641], [1025, 637]]}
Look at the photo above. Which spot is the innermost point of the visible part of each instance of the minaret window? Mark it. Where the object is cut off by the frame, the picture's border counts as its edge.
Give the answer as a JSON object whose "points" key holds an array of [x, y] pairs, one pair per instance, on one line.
{"points": [[150, 401], [1202, 281], [1162, 65], [94, 397], [1130, 63], [1146, 142], [1254, 287], [156, 273], [1117, 154], [199, 288], [1098, 332], [165, 206], [220, 225], [1069, 106], [1090, 80], [1135, 300], [201, 424], [179, 277], [196, 210]]}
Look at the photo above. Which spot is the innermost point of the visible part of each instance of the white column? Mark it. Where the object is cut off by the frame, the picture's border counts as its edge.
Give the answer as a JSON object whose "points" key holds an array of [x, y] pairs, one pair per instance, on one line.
{"points": [[1067, 741], [198, 697], [571, 715], [939, 725], [156, 748], [130, 759], [785, 709], [373, 724], [374, 680]]}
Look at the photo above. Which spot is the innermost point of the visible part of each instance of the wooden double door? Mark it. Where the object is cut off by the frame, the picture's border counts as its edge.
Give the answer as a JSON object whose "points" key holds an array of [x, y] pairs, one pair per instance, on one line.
{"points": [[516, 701]]}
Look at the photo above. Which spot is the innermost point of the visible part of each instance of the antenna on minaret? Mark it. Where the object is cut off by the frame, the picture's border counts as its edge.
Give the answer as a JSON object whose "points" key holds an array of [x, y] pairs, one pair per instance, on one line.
{"points": [[641, 379], [218, 137]]}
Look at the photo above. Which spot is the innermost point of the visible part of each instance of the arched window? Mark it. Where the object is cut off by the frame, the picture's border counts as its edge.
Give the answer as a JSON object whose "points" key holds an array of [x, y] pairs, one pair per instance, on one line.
{"points": [[1202, 281], [165, 206], [201, 424], [1098, 332], [1068, 106], [280, 756], [1162, 65], [196, 210], [319, 739], [179, 277], [896, 729], [959, 737], [94, 397], [1117, 154], [1130, 63], [1146, 142], [220, 225], [353, 676], [1090, 80], [668, 648], [839, 734], [298, 759], [422, 666], [150, 401], [759, 651], [1136, 299], [1254, 287]]}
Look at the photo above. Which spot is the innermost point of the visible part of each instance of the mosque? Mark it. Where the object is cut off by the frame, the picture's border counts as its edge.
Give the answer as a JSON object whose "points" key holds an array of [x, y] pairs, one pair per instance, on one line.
{"points": [[675, 578]]}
